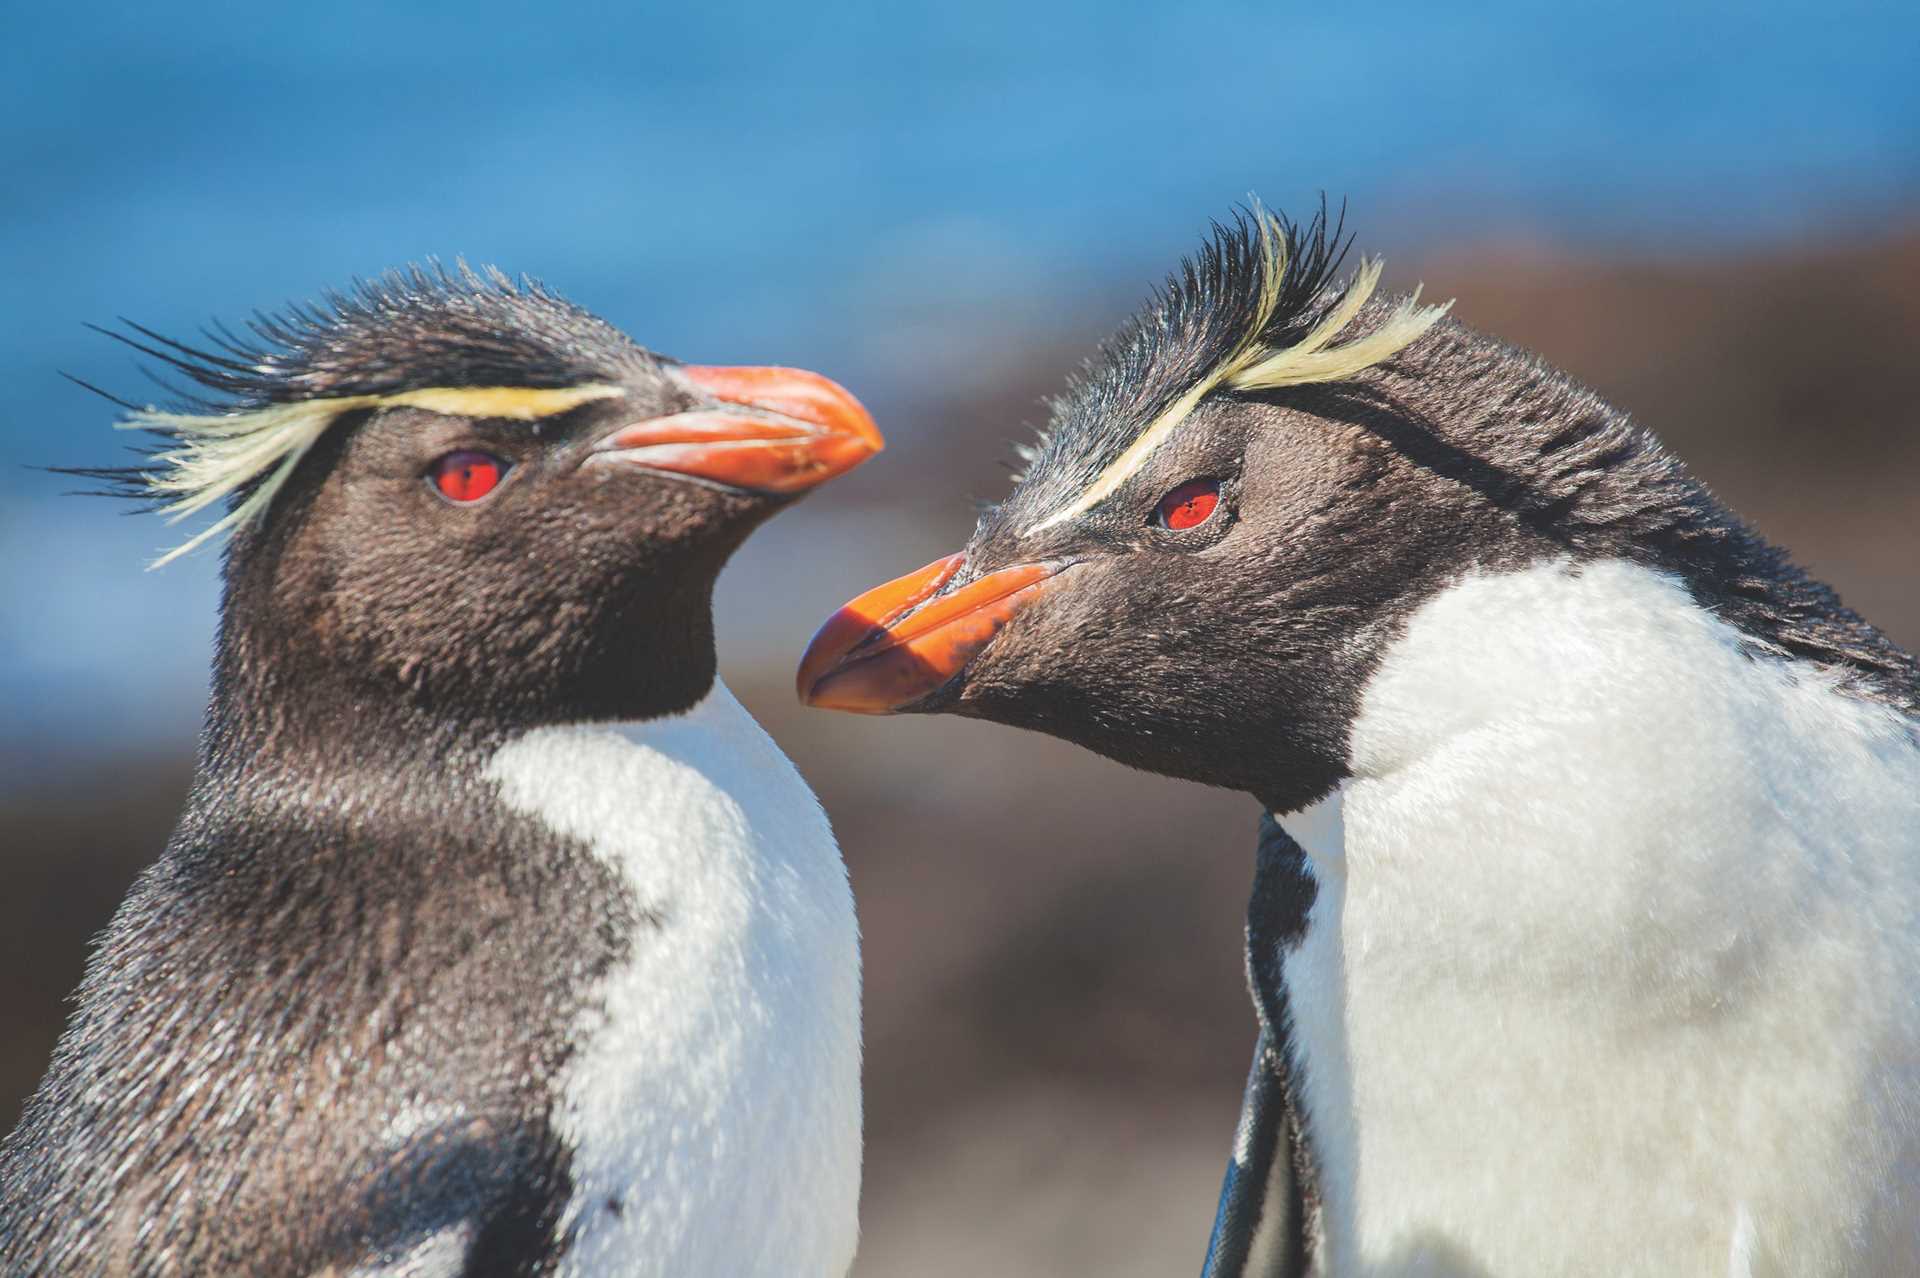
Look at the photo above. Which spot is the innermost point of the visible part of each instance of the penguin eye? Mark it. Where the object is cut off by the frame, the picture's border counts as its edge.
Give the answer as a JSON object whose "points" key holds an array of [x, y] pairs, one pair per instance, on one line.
{"points": [[1189, 505], [467, 475]]}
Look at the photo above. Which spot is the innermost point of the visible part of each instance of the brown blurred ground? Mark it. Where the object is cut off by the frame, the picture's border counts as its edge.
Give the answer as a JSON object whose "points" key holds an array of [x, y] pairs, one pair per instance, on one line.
{"points": [[1056, 1032]]}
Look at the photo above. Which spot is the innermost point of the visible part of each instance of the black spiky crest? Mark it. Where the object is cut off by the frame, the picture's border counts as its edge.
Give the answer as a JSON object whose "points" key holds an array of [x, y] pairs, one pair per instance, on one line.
{"points": [[1190, 324], [405, 330]]}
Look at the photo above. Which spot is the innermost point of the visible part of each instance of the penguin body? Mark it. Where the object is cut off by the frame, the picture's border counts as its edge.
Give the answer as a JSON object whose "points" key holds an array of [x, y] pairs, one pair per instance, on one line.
{"points": [[741, 1104], [1654, 964], [1585, 939], [495, 938], [267, 1071]]}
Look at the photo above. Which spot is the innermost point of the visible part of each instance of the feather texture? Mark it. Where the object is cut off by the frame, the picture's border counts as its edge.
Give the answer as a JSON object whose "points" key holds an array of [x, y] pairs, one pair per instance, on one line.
{"points": [[457, 341], [1255, 311], [252, 453]]}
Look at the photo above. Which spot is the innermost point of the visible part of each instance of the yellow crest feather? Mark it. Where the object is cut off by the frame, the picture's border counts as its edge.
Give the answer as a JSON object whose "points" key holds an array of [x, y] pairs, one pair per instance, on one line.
{"points": [[217, 454], [1252, 365]]}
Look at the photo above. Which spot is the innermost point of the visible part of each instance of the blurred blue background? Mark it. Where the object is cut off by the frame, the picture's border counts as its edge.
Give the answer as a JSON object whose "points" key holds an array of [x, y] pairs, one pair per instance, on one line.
{"points": [[895, 194], [943, 207]]}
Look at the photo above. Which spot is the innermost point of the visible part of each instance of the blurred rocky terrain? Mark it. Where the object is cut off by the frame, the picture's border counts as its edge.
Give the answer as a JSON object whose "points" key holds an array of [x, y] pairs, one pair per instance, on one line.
{"points": [[1057, 1032]]}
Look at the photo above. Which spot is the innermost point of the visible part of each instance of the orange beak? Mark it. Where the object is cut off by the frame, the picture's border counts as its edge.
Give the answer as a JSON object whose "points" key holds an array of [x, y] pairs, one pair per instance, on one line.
{"points": [[780, 430], [898, 642]]}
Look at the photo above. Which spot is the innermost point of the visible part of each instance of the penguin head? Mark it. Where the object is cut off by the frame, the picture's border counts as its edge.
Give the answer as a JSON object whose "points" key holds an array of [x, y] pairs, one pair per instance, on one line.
{"points": [[467, 494], [1239, 504], [1188, 574]]}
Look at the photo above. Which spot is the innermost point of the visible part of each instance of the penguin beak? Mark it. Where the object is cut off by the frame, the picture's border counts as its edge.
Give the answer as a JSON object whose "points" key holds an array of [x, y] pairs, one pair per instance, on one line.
{"points": [[772, 430], [899, 642]]}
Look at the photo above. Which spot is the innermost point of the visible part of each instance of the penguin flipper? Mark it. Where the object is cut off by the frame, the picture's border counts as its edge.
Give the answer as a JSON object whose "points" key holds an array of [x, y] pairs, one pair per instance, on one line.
{"points": [[1254, 1178], [442, 1255], [1267, 1216], [452, 1203]]}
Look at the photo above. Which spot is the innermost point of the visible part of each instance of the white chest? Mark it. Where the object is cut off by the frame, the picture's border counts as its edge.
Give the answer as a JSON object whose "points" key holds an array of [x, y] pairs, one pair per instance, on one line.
{"points": [[714, 1102], [1612, 965]]}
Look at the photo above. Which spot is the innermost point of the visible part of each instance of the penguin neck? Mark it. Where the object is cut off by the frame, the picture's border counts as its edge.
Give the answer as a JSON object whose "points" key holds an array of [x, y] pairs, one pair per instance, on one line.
{"points": [[279, 709], [1479, 427]]}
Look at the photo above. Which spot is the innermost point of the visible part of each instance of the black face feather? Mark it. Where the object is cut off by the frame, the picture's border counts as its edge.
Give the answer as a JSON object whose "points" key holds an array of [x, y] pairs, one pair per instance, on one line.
{"points": [[364, 584]]}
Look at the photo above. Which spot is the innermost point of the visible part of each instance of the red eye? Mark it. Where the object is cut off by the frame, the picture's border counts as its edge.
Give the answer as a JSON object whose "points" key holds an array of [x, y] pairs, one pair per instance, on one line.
{"points": [[1189, 505], [467, 475]]}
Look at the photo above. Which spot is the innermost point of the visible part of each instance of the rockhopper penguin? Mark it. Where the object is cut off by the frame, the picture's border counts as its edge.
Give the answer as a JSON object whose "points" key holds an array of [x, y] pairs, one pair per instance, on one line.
{"points": [[1588, 938], [443, 972]]}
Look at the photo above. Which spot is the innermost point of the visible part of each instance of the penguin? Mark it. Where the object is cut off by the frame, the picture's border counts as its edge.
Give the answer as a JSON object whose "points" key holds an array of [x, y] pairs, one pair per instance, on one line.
{"points": [[1586, 926], [495, 938]]}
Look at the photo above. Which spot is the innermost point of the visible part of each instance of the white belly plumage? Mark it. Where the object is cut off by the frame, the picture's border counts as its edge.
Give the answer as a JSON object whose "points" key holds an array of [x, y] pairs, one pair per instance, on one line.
{"points": [[713, 1104], [1614, 966]]}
